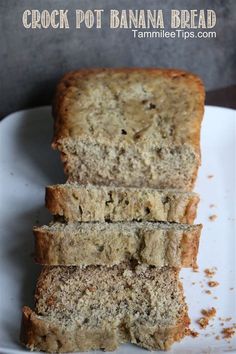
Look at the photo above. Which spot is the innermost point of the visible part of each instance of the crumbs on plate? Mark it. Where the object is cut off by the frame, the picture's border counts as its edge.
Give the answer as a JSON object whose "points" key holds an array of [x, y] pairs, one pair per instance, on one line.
{"points": [[207, 315], [210, 272], [213, 283], [190, 332], [212, 217], [228, 332], [208, 292]]}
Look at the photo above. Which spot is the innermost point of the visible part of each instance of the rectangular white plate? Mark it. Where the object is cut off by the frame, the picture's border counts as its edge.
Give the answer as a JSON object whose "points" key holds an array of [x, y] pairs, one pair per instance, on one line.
{"points": [[28, 164]]}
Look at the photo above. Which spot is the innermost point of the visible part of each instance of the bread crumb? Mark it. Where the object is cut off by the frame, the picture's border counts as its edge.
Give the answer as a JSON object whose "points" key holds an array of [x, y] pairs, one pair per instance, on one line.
{"points": [[212, 217], [227, 319], [210, 272], [190, 332], [203, 322], [195, 268], [228, 332], [210, 176], [213, 283], [209, 313], [217, 337], [208, 292]]}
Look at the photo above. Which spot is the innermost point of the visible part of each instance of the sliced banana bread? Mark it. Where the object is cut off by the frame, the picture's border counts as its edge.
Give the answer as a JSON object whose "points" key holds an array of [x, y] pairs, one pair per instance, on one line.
{"points": [[100, 203], [130, 127], [159, 244], [100, 308]]}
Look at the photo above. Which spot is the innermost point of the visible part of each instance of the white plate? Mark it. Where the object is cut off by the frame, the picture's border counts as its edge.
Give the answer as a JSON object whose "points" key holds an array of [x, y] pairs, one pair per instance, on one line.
{"points": [[27, 164]]}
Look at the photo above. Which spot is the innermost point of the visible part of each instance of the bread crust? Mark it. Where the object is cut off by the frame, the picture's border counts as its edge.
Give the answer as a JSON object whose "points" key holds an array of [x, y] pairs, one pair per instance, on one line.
{"points": [[83, 203], [177, 248]]}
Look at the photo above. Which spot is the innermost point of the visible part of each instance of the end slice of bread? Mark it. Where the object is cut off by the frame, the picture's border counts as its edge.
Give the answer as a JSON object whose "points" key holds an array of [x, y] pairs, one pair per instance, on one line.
{"points": [[159, 244], [98, 308], [130, 127], [85, 203]]}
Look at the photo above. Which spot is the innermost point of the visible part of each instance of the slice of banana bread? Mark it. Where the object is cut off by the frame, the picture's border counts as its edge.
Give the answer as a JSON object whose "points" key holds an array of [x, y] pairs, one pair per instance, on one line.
{"points": [[100, 308], [100, 203], [159, 244], [130, 127]]}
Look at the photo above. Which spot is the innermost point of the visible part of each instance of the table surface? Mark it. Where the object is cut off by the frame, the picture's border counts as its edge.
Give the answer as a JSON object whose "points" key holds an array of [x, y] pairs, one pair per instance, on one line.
{"points": [[225, 97]]}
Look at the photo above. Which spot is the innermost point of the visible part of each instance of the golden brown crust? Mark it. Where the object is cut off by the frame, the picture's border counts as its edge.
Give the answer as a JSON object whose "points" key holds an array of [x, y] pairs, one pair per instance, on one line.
{"points": [[189, 248], [191, 211], [53, 198]]}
